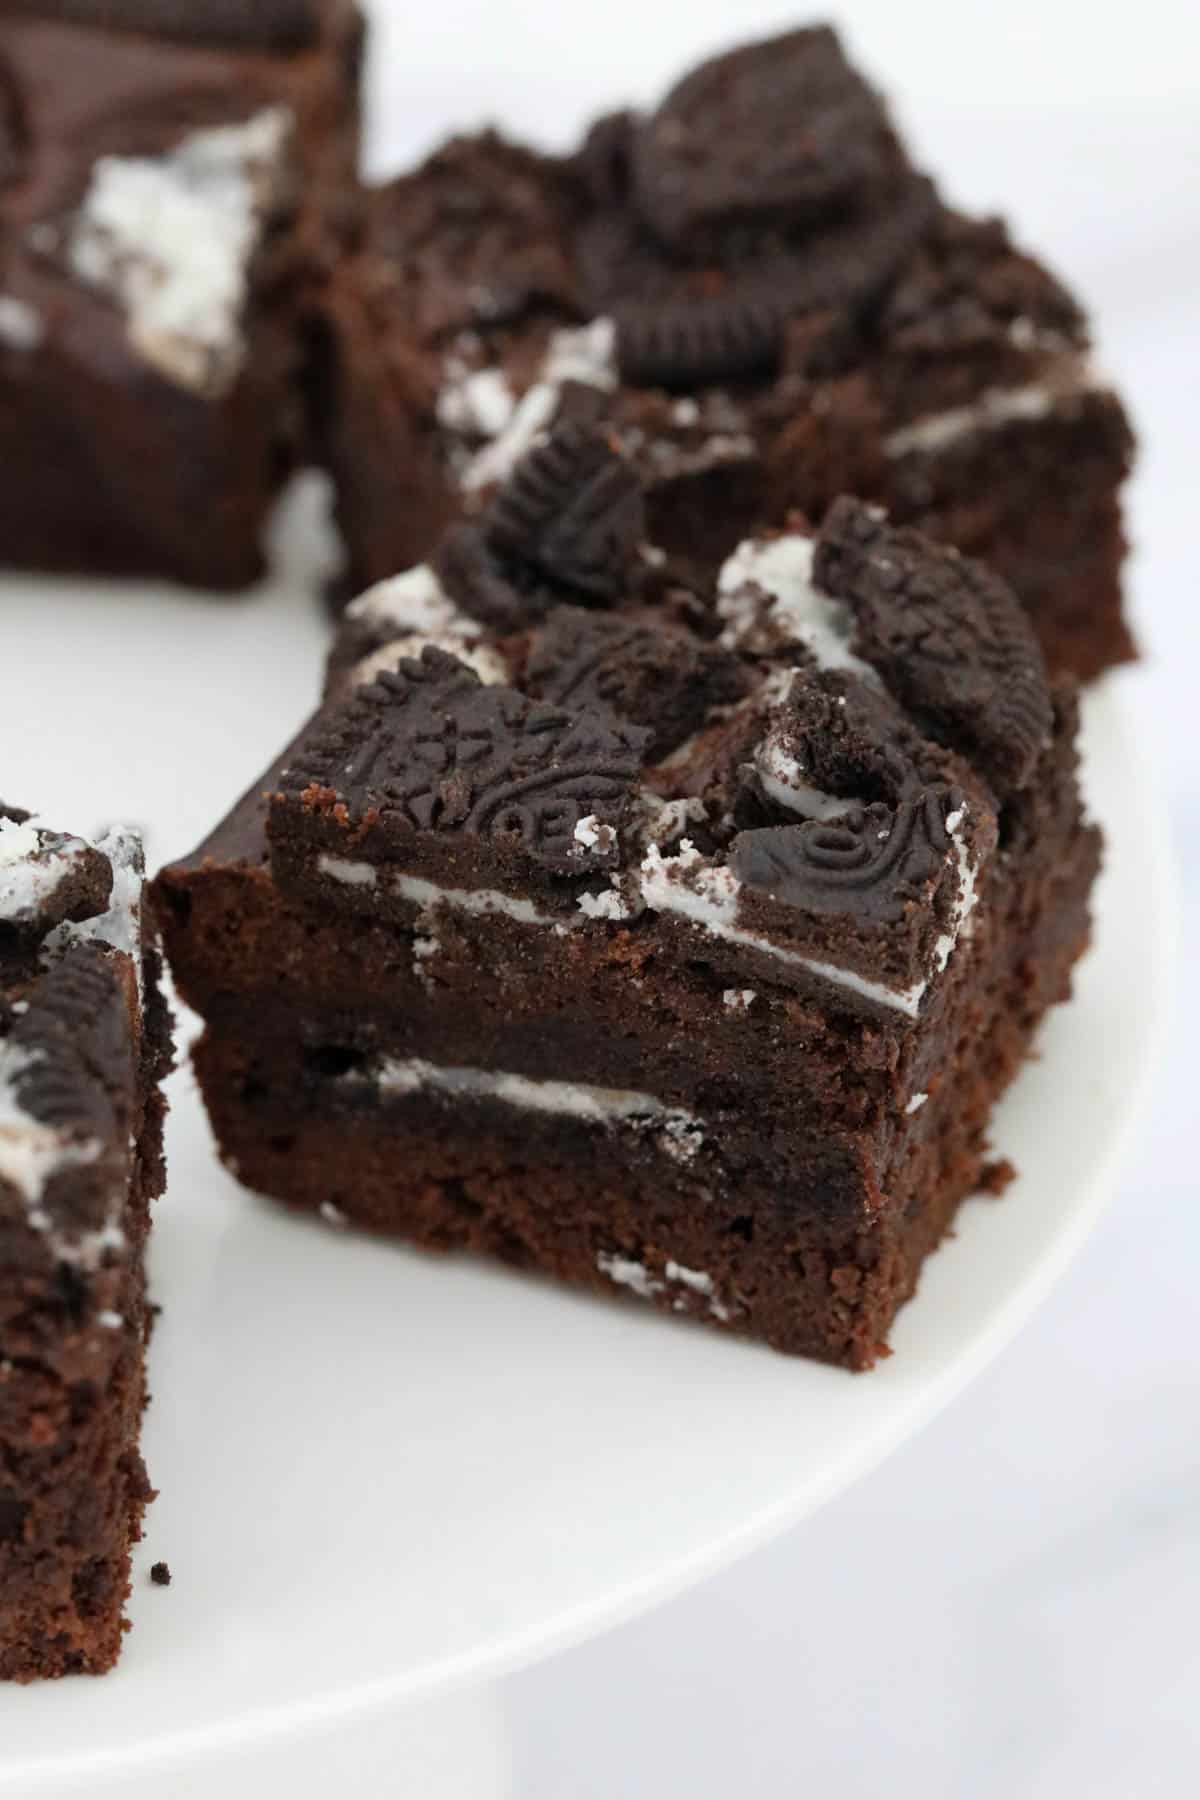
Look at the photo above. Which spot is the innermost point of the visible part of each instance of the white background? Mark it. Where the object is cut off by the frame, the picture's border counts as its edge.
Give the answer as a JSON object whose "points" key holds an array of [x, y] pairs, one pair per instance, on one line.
{"points": [[1009, 1607]]}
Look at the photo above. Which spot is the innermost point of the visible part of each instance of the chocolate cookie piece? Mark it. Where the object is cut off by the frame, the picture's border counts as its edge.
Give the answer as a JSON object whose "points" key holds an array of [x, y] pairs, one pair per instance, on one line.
{"points": [[84, 1046], [430, 770], [654, 673], [945, 635], [574, 510], [779, 132]]}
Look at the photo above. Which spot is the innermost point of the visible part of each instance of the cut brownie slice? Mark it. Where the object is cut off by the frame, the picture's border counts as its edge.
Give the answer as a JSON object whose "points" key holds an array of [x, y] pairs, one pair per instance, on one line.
{"points": [[754, 288], [647, 934], [85, 1042], [171, 182]]}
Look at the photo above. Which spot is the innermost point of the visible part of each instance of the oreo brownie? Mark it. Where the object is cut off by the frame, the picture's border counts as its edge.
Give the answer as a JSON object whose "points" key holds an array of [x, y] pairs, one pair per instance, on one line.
{"points": [[84, 1044], [660, 936], [172, 179], [755, 289]]}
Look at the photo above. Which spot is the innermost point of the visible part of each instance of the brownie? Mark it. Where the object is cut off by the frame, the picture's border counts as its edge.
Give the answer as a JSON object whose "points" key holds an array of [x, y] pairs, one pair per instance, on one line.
{"points": [[85, 1042], [657, 934], [764, 300], [173, 179]]}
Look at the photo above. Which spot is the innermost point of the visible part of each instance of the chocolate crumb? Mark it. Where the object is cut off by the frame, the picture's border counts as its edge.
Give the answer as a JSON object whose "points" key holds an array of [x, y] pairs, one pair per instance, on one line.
{"points": [[160, 1574]]}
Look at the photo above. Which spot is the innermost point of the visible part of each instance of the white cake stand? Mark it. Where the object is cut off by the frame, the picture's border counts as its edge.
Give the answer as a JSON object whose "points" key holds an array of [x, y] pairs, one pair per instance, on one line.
{"points": [[386, 1481]]}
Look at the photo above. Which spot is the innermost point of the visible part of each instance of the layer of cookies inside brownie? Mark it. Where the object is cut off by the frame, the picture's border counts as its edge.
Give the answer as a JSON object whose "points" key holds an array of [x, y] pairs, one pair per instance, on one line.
{"points": [[84, 1044]]}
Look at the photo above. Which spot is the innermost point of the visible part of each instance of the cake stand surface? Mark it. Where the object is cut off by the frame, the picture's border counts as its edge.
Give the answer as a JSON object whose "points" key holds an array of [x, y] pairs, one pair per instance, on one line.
{"points": [[387, 1480]]}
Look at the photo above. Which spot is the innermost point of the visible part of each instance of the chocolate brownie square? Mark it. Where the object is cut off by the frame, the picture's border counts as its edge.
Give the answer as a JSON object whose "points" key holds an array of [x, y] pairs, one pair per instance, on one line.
{"points": [[85, 1042], [659, 935], [172, 180], [764, 300]]}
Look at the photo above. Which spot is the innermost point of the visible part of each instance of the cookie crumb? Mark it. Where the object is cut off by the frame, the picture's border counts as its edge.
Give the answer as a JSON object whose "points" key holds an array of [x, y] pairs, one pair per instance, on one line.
{"points": [[160, 1575]]}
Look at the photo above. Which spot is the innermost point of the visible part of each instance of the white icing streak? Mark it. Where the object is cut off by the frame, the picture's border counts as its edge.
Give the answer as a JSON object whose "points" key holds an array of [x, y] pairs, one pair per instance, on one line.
{"points": [[586, 355], [414, 602], [21, 328], [121, 925], [171, 238], [768, 598], [627, 1272], [997, 408], [350, 874], [487, 663], [33, 864]]}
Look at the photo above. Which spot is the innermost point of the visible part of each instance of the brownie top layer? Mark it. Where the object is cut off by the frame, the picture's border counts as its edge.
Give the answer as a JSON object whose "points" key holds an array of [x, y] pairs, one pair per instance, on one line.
{"points": [[143, 188], [802, 767], [70, 1030], [691, 275]]}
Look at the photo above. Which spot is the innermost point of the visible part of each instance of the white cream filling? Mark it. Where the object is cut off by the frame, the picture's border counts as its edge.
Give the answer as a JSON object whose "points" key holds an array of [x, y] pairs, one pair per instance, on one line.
{"points": [[121, 925], [414, 602], [475, 402], [916, 1103], [783, 780], [29, 873], [797, 611], [21, 328], [682, 1132], [586, 355], [171, 238], [487, 663], [710, 899], [995, 409], [430, 893], [350, 874]]}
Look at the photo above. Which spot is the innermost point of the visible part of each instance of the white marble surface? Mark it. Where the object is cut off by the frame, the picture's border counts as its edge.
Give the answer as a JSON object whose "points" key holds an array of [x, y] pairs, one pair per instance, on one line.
{"points": [[1008, 1608]]}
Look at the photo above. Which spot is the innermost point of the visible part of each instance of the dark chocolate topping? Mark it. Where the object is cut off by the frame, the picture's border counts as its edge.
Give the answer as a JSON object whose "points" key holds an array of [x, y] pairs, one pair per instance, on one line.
{"points": [[428, 749], [779, 131], [872, 864], [969, 288], [647, 670], [477, 237], [266, 24], [948, 637], [574, 510]]}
